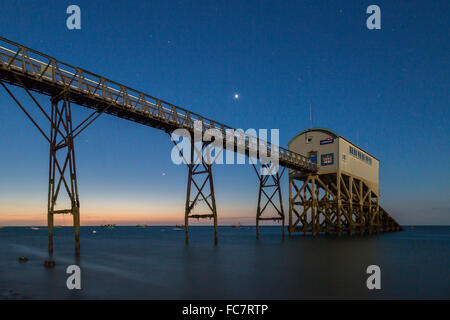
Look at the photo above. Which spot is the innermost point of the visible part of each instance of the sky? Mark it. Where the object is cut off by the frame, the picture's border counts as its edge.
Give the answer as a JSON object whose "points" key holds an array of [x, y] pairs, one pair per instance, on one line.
{"points": [[386, 90]]}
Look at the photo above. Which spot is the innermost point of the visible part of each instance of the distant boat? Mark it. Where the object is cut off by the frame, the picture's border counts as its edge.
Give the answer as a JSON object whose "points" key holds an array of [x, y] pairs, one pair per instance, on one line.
{"points": [[177, 229], [58, 226], [109, 226], [179, 226], [34, 228], [236, 225], [94, 232], [142, 225]]}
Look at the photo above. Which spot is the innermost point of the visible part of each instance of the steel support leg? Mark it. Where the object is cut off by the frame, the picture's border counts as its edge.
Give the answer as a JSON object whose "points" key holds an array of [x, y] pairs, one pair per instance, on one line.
{"points": [[62, 169], [200, 179], [269, 184]]}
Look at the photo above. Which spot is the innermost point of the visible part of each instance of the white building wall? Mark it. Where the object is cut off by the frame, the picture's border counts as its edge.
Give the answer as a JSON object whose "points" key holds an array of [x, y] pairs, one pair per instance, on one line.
{"points": [[359, 163], [327, 152]]}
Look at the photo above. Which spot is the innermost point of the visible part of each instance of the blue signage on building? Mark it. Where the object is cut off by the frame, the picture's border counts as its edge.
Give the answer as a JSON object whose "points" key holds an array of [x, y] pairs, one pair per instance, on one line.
{"points": [[327, 141], [327, 159]]}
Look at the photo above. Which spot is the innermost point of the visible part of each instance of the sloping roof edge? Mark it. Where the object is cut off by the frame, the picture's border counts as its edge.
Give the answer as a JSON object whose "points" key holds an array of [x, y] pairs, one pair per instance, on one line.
{"points": [[325, 130]]}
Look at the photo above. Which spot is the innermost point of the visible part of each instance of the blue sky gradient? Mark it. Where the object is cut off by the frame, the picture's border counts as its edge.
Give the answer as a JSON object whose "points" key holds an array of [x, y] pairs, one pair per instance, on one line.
{"points": [[386, 90]]}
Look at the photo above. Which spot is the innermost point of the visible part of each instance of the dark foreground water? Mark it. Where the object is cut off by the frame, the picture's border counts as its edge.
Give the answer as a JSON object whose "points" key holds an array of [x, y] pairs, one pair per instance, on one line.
{"points": [[154, 263]]}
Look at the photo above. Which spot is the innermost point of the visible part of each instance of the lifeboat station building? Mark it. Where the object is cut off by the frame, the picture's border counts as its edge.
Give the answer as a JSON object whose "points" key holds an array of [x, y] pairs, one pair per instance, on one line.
{"points": [[343, 195]]}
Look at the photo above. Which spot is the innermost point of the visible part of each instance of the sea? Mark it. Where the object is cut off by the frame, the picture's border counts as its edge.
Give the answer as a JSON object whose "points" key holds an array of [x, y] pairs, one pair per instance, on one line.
{"points": [[155, 263]]}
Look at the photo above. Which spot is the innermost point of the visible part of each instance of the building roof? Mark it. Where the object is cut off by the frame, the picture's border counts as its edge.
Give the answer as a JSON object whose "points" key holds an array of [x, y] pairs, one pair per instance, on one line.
{"points": [[328, 131], [333, 134]]}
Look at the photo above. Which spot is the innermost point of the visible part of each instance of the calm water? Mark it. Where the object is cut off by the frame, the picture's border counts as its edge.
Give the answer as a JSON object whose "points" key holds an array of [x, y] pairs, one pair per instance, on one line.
{"points": [[154, 263]]}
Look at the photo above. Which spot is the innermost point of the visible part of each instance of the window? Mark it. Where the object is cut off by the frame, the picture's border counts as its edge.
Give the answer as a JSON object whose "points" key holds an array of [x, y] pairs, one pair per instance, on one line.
{"points": [[358, 154], [312, 155]]}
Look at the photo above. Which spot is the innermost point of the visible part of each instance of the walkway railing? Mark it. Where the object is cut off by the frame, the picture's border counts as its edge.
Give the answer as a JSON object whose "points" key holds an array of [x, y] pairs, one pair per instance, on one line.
{"points": [[40, 67]]}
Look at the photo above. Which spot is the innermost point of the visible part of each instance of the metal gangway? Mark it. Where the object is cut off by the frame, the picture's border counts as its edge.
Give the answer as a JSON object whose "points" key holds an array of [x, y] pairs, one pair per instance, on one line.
{"points": [[66, 85]]}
